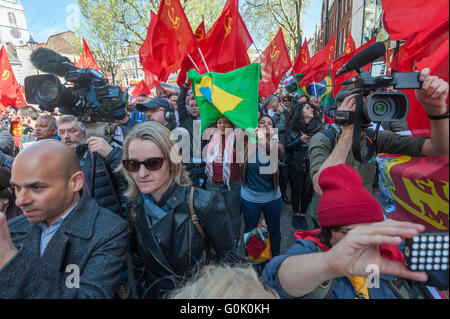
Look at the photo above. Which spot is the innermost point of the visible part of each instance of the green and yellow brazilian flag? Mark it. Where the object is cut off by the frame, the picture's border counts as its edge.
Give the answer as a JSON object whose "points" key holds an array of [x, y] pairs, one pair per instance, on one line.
{"points": [[233, 95]]}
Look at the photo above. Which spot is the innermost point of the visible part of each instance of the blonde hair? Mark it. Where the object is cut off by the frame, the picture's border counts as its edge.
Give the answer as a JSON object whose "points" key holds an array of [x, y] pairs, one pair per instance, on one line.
{"points": [[224, 282], [161, 136]]}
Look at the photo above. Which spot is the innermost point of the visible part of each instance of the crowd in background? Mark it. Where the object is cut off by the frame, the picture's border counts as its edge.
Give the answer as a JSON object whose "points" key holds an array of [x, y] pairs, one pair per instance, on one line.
{"points": [[170, 218]]}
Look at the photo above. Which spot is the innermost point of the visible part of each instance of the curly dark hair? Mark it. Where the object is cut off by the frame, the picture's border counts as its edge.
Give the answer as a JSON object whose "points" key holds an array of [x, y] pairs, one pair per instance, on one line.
{"points": [[296, 116]]}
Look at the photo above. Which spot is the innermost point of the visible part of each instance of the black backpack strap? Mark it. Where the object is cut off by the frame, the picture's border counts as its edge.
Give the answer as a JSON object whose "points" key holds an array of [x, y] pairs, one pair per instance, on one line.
{"points": [[332, 135]]}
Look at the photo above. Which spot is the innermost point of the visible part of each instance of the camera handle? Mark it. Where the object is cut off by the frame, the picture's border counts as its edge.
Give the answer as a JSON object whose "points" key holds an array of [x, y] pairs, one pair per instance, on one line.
{"points": [[356, 141]]}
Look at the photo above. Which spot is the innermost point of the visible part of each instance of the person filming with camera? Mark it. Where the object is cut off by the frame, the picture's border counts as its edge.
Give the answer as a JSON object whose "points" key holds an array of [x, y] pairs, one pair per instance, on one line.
{"points": [[102, 183], [333, 146]]}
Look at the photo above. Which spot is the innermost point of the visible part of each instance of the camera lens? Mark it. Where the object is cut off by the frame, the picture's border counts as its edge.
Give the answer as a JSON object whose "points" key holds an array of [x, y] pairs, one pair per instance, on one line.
{"points": [[380, 108], [48, 91]]}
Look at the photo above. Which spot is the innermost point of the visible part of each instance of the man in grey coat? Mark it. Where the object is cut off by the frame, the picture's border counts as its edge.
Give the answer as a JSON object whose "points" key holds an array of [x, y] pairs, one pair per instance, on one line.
{"points": [[65, 245]]}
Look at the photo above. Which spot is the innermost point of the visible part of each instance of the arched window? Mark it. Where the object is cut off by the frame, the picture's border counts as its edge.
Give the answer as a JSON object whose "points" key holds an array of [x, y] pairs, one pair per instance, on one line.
{"points": [[12, 18]]}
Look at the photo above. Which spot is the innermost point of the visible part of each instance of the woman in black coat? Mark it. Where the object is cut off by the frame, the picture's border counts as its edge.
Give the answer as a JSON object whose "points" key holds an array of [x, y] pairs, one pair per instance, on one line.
{"points": [[303, 124], [167, 245]]}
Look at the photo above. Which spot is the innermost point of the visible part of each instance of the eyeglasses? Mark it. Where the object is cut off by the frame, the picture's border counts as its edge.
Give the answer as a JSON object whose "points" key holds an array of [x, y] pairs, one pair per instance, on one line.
{"points": [[152, 164]]}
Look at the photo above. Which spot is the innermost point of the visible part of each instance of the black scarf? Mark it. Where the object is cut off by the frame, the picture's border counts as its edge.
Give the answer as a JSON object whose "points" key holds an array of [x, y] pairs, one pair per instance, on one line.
{"points": [[313, 127]]}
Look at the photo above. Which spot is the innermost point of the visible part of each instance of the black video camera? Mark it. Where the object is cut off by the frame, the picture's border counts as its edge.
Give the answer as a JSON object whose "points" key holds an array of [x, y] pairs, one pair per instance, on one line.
{"points": [[380, 106], [89, 97]]}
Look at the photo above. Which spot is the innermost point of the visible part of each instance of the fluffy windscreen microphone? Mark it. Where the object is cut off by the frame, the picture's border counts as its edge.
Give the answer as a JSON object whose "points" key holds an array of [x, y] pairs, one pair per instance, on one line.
{"points": [[49, 61]]}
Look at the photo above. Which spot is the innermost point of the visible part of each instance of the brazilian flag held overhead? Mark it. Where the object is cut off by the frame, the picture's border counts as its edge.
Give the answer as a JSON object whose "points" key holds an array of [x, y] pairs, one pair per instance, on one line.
{"points": [[233, 95]]}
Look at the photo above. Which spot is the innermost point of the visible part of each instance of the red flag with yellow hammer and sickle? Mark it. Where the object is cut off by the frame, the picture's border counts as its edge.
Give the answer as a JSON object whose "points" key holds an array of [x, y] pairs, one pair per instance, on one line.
{"points": [[87, 58], [187, 63], [226, 43], [10, 91], [302, 59], [350, 43], [169, 40], [320, 64], [275, 62]]}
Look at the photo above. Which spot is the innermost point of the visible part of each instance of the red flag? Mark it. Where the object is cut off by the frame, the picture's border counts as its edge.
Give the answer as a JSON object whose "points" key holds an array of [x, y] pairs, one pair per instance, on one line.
{"points": [[141, 88], [146, 50], [275, 62], [146, 85], [350, 43], [339, 63], [200, 33], [87, 59], [169, 37], [10, 91], [21, 101], [226, 43], [403, 18], [320, 64], [187, 63], [425, 27], [302, 59]]}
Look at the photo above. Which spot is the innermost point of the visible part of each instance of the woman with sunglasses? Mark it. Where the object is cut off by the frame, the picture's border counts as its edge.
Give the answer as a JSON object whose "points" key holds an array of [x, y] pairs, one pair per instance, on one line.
{"points": [[168, 247], [260, 191]]}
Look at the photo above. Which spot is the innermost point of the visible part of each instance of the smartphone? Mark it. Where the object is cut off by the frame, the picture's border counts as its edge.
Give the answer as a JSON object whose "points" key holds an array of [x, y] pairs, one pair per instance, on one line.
{"points": [[428, 251]]}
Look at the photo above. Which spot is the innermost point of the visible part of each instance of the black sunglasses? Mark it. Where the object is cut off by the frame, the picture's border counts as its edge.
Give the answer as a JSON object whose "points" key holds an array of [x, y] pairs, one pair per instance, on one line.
{"points": [[152, 164]]}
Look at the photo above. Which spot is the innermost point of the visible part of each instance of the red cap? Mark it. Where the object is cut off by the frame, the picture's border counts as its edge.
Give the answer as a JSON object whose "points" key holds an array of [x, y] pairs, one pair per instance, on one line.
{"points": [[344, 200]]}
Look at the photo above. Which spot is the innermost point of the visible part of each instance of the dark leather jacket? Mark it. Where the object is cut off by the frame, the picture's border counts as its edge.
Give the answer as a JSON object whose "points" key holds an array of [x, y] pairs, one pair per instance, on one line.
{"points": [[296, 151], [172, 249], [103, 194]]}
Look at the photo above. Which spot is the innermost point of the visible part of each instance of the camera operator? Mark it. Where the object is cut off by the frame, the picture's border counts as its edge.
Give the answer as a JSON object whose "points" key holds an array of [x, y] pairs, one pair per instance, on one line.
{"points": [[109, 186], [333, 146]]}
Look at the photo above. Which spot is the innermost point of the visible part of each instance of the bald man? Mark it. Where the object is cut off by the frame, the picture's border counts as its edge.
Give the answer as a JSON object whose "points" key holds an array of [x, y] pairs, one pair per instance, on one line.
{"points": [[64, 245]]}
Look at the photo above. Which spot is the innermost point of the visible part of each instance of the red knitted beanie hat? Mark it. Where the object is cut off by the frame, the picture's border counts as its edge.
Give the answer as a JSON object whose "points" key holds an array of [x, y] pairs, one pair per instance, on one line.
{"points": [[344, 200]]}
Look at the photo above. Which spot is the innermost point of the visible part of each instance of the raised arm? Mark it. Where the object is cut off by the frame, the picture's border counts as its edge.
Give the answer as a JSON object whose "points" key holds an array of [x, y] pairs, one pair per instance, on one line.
{"points": [[300, 274], [433, 96]]}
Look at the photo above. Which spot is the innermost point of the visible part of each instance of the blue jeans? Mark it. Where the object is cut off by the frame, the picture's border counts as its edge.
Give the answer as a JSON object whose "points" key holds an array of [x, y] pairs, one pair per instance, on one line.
{"points": [[272, 215]]}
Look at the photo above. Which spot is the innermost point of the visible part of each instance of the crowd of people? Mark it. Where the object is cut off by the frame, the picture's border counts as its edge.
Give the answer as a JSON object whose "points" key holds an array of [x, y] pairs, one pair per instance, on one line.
{"points": [[142, 213]]}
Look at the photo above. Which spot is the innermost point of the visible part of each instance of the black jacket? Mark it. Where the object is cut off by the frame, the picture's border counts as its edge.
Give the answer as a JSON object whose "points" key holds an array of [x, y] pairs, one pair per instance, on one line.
{"points": [[172, 249], [296, 151], [104, 194], [196, 170]]}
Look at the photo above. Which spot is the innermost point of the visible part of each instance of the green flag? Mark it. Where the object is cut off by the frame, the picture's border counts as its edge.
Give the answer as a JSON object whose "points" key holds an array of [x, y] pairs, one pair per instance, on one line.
{"points": [[233, 95]]}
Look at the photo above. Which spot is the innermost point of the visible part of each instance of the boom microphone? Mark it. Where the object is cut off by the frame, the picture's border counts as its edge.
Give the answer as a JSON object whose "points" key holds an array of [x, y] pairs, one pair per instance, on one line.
{"points": [[49, 61], [366, 56]]}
